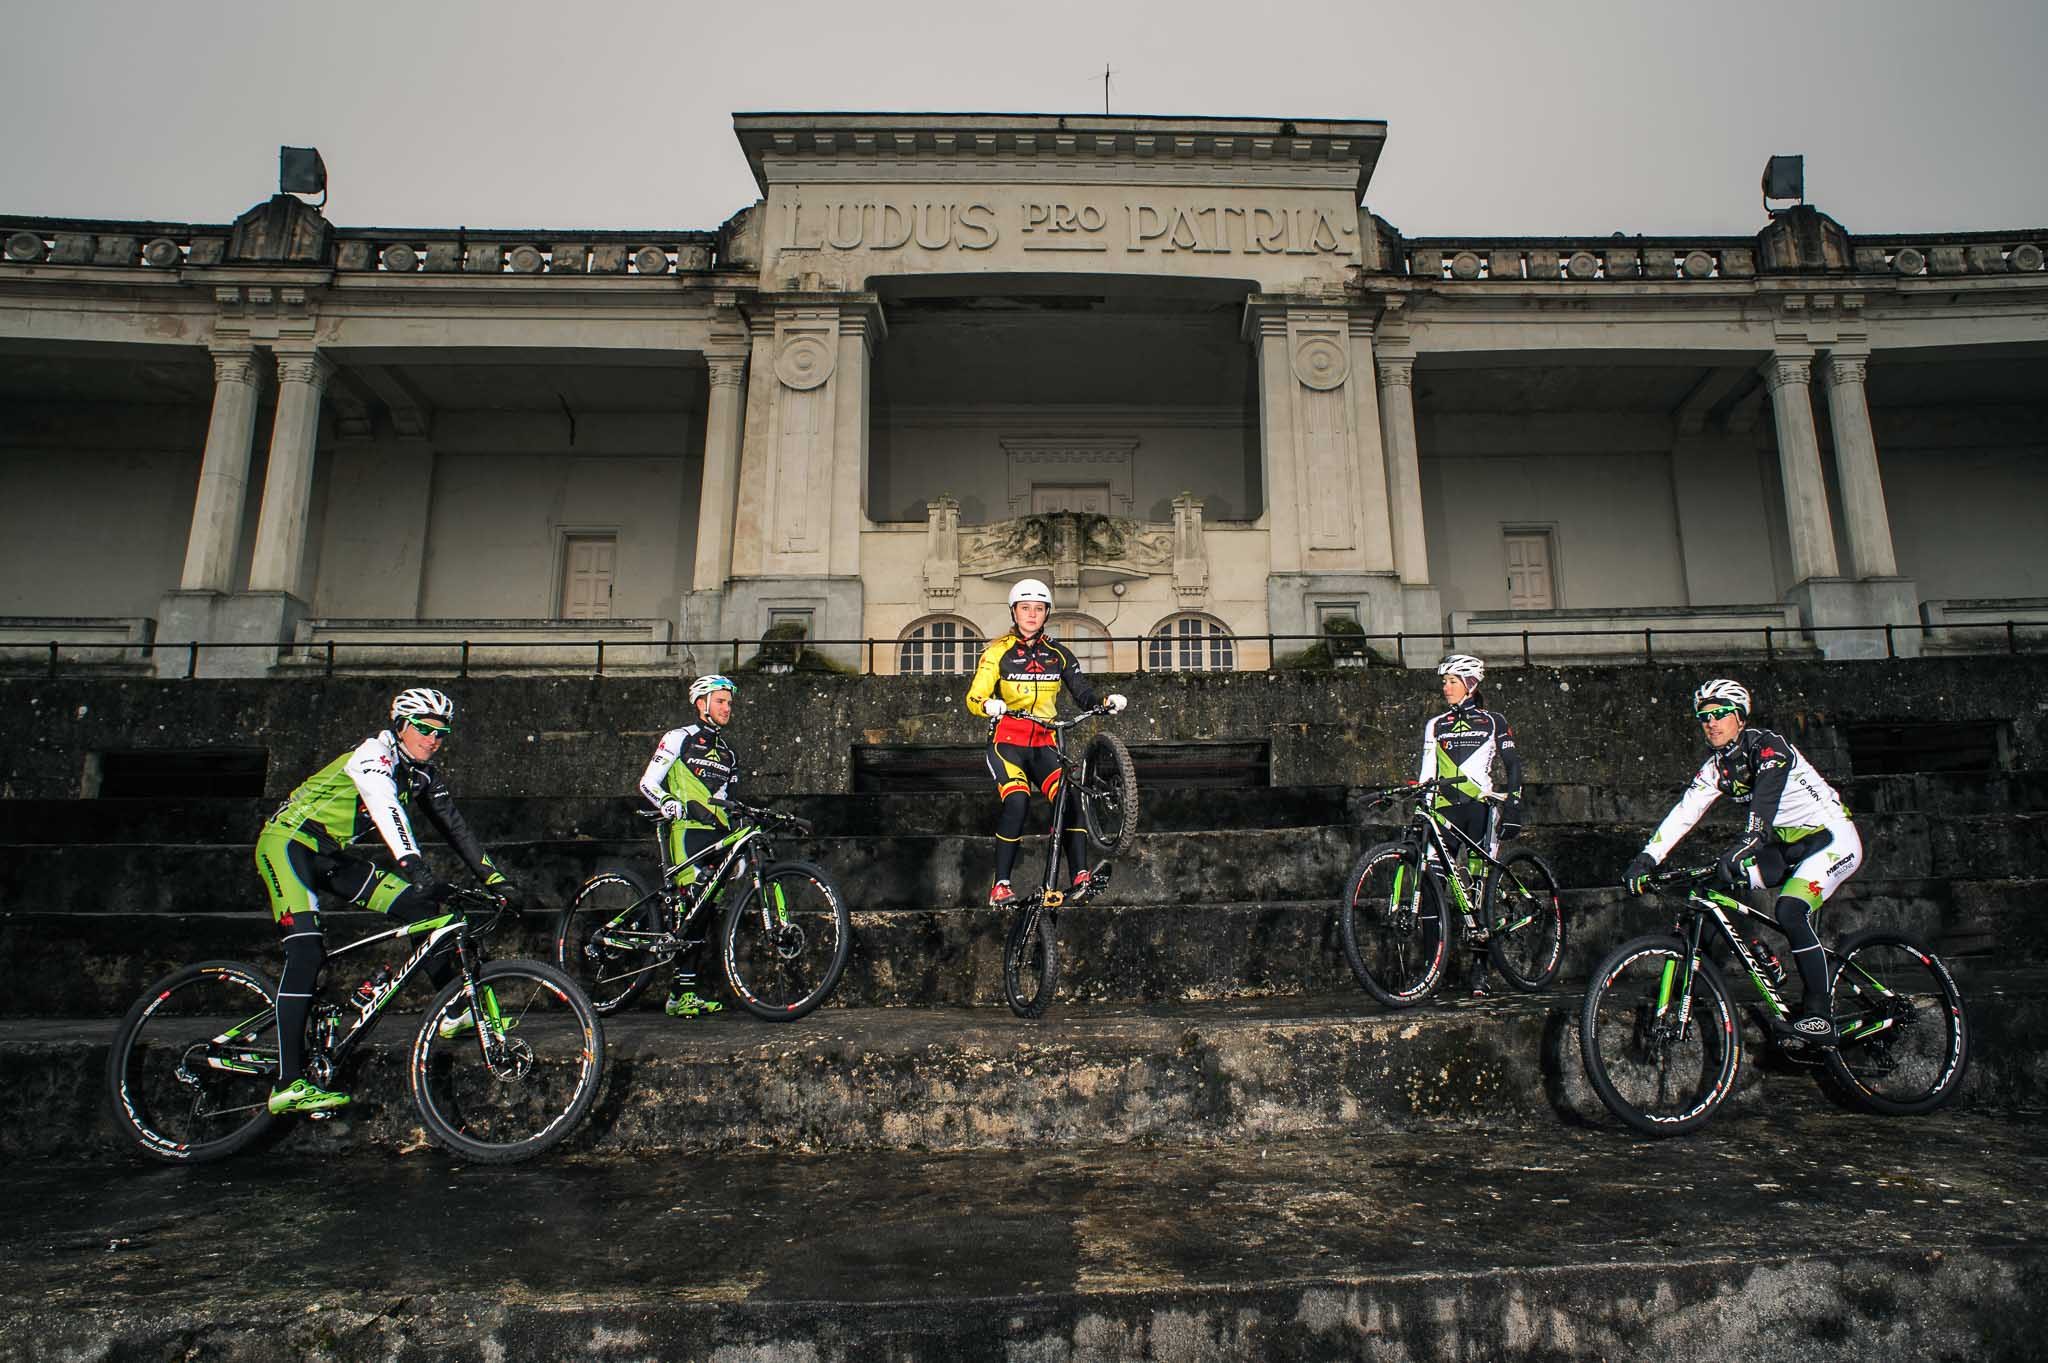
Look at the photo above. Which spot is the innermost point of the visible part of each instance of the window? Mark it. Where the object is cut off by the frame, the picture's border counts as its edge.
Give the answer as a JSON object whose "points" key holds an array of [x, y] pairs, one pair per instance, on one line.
{"points": [[1530, 554], [587, 576], [939, 645], [1191, 643], [1086, 636]]}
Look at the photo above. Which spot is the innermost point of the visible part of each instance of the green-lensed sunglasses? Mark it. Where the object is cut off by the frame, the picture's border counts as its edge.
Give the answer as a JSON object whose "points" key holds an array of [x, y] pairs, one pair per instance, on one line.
{"points": [[1708, 713], [435, 728]]}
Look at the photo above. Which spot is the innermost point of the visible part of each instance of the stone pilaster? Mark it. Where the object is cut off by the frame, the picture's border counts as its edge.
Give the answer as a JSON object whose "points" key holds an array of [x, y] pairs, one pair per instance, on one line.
{"points": [[1375, 519], [211, 547], [1276, 441], [1808, 524]]}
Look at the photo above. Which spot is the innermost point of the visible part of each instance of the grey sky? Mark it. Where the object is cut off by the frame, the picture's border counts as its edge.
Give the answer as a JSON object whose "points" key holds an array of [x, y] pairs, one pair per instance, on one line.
{"points": [[1558, 118]]}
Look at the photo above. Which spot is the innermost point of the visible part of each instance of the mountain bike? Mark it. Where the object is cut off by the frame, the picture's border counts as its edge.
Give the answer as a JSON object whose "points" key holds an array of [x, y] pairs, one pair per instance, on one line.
{"points": [[783, 941], [506, 1062], [1398, 928], [1663, 1045], [1104, 785]]}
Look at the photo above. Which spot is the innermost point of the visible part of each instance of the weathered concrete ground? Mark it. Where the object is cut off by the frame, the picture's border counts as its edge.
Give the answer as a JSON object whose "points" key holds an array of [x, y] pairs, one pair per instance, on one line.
{"points": [[1802, 1233]]}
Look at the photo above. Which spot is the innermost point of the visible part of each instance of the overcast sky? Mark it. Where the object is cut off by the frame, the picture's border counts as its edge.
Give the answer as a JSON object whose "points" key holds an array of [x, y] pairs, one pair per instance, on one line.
{"points": [[1533, 119]]}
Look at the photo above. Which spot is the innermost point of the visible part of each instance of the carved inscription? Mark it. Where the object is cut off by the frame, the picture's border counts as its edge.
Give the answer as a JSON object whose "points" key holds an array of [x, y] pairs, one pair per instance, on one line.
{"points": [[1067, 224]]}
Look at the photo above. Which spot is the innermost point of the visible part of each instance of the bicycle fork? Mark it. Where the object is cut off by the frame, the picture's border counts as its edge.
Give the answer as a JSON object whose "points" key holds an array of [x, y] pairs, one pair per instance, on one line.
{"points": [[1680, 980]]}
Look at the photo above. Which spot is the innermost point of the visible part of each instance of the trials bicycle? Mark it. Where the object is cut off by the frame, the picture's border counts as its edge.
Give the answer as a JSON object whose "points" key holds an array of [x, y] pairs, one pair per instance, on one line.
{"points": [[783, 942], [1663, 1045], [506, 1062], [1397, 927], [1104, 785]]}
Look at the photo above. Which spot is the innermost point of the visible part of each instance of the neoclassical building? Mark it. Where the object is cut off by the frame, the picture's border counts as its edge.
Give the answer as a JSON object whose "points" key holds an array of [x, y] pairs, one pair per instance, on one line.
{"points": [[1174, 365]]}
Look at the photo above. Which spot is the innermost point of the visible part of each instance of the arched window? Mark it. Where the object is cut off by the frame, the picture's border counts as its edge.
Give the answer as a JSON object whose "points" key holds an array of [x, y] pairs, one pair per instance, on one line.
{"points": [[1190, 643], [939, 645], [1086, 636]]}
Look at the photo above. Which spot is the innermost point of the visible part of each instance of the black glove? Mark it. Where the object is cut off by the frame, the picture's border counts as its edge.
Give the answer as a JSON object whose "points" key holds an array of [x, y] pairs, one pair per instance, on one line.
{"points": [[1734, 874], [1636, 878], [421, 877], [506, 891], [1510, 825]]}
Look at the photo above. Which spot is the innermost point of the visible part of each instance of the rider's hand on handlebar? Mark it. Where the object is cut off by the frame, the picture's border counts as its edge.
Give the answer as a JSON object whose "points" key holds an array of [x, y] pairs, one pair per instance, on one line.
{"points": [[671, 809], [993, 707], [421, 877], [507, 892], [1114, 703], [1636, 878], [1510, 820]]}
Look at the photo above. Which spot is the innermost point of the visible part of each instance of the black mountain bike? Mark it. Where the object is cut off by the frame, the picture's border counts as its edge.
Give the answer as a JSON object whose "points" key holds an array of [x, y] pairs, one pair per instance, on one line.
{"points": [[1104, 784], [783, 941], [1663, 1045], [1398, 929], [506, 1062]]}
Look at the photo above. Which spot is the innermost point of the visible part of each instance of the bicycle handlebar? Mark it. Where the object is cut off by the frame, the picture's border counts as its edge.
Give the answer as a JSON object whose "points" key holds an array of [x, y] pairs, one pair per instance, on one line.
{"points": [[752, 813], [1409, 790], [1053, 724]]}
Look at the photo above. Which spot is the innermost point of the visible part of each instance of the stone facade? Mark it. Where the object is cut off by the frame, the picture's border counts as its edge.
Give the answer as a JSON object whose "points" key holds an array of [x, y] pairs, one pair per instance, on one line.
{"points": [[1176, 367]]}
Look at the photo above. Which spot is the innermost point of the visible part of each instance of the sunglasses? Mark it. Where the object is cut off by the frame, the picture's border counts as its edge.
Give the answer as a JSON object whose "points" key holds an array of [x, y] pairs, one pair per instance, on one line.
{"points": [[1714, 712], [432, 728]]}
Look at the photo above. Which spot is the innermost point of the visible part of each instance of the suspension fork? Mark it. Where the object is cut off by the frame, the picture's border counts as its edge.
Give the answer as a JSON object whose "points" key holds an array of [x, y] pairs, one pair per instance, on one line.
{"points": [[1681, 976]]}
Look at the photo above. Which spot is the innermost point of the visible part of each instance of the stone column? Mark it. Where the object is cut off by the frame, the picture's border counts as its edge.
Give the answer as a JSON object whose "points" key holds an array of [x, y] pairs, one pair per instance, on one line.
{"points": [[1864, 517], [1404, 469], [288, 479], [724, 419], [1374, 517], [223, 475], [1807, 522], [1276, 442]]}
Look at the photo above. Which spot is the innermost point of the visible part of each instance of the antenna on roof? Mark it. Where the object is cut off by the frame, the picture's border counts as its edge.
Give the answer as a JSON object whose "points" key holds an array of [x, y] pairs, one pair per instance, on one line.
{"points": [[1105, 89]]}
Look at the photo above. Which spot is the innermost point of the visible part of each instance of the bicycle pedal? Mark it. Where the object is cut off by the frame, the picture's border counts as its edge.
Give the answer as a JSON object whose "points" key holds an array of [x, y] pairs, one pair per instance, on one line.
{"points": [[323, 1116], [1053, 899]]}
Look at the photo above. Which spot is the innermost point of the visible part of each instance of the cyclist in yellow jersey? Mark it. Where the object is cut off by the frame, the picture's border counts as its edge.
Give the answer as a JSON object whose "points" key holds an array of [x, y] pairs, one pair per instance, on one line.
{"points": [[1023, 673]]}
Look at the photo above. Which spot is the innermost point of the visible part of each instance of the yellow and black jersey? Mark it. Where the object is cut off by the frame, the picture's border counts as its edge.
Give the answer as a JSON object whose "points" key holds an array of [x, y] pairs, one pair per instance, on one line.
{"points": [[1027, 678]]}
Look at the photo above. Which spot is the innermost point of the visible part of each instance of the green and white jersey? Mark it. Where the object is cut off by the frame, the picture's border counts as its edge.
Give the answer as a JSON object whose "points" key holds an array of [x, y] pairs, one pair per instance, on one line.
{"points": [[366, 794]]}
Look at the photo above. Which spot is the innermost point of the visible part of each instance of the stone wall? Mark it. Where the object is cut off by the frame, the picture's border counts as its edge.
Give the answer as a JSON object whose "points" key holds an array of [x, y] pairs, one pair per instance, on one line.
{"points": [[527, 736]]}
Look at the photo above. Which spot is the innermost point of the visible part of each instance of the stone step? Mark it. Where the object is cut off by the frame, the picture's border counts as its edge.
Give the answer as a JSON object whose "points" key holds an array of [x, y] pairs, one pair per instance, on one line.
{"points": [[1531, 1245], [94, 965], [968, 1079]]}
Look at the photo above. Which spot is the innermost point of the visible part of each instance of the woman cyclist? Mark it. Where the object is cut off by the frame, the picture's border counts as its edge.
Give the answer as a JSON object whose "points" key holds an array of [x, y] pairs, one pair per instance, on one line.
{"points": [[1459, 747]]}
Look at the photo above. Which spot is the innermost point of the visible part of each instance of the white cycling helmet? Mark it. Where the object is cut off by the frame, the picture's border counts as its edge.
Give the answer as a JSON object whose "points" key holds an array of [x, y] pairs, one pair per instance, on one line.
{"points": [[1464, 667], [422, 702], [709, 683], [1031, 589], [1725, 691]]}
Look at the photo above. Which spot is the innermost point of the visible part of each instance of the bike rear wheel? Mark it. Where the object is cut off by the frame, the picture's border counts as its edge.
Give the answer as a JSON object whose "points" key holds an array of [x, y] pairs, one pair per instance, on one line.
{"points": [[1526, 939], [1905, 1039], [193, 1063], [605, 939], [1660, 1061], [1109, 790], [1391, 919], [1031, 961], [785, 948], [521, 1077]]}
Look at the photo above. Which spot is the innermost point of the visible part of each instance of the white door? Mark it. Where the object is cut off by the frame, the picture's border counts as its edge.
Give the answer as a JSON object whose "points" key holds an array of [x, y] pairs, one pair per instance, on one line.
{"points": [[1529, 585], [1091, 498], [587, 576]]}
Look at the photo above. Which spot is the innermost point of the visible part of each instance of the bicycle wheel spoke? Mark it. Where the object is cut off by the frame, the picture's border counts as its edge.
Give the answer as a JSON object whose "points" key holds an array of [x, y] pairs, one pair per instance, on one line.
{"points": [[609, 939], [1901, 1025], [786, 948], [518, 1082], [1662, 1052], [192, 1066], [1393, 928]]}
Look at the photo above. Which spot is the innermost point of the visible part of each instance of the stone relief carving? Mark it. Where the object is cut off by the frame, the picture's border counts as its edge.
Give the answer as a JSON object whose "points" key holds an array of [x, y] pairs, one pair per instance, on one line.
{"points": [[805, 362], [1322, 363], [1067, 536]]}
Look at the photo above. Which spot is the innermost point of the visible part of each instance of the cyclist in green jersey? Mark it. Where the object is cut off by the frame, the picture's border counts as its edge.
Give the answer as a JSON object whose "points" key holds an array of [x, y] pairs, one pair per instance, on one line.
{"points": [[307, 849], [692, 776]]}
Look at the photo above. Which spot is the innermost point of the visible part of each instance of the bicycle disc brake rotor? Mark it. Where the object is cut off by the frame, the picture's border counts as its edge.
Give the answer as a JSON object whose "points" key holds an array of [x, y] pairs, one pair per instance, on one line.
{"points": [[509, 1058], [790, 941]]}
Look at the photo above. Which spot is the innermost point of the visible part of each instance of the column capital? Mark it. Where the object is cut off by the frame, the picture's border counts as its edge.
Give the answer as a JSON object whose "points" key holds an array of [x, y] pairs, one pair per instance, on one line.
{"points": [[1396, 371], [1781, 370], [234, 364], [304, 366], [1847, 368], [726, 371]]}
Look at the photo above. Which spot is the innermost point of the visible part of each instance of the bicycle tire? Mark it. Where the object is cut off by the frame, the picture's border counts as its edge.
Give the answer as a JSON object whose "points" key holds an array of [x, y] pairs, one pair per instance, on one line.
{"points": [[1031, 961], [1630, 1057], [1526, 936], [213, 1111], [1905, 1036], [489, 1094], [622, 901], [1396, 945], [813, 925], [1109, 794]]}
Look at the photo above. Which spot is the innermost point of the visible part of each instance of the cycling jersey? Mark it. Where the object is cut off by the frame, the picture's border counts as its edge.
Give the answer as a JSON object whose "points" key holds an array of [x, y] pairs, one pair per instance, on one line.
{"points": [[1787, 798], [1027, 678], [366, 793], [694, 764], [1460, 746]]}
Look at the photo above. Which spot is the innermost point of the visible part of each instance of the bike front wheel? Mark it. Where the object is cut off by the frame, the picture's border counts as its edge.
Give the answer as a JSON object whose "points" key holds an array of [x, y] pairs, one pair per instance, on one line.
{"points": [[1661, 1055], [1391, 919], [1526, 942], [193, 1063], [521, 1068], [1109, 794], [1905, 1039], [606, 939], [785, 947], [1031, 961]]}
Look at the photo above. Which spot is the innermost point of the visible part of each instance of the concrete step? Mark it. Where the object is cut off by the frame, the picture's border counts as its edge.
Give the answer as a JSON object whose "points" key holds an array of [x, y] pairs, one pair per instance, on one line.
{"points": [[966, 1079], [1543, 1245], [92, 965]]}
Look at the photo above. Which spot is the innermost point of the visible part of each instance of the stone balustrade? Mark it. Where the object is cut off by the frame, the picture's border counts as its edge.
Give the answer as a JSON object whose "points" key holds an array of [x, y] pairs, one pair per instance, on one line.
{"points": [[1690, 259], [521, 251], [1976, 253]]}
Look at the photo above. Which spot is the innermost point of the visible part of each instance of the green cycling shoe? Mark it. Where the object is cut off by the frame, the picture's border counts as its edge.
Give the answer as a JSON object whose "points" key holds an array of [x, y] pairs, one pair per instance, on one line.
{"points": [[303, 1095], [686, 1004]]}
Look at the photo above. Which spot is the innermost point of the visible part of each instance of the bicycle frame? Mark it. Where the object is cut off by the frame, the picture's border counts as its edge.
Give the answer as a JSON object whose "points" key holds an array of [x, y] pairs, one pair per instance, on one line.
{"points": [[1429, 826], [1049, 895]]}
